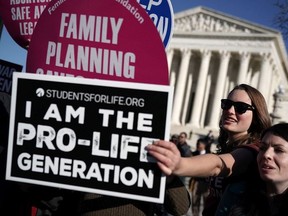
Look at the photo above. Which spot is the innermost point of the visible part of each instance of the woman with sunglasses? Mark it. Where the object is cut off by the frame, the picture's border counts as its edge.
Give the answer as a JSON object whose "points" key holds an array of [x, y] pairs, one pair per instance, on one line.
{"points": [[244, 117]]}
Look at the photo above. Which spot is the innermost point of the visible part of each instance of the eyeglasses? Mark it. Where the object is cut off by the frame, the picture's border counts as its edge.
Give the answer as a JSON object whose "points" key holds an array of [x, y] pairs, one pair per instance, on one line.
{"points": [[240, 107]]}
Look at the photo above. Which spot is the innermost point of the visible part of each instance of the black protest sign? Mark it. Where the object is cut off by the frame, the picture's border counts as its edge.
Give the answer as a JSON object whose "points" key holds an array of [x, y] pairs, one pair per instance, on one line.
{"points": [[88, 135], [6, 71]]}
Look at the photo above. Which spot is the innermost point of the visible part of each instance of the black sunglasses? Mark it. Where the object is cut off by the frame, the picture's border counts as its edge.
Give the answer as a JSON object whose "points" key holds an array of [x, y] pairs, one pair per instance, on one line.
{"points": [[240, 107]]}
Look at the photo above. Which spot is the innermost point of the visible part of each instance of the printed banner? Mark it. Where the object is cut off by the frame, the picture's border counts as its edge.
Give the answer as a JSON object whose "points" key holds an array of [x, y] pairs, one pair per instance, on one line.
{"points": [[6, 72], [104, 39], [88, 135], [162, 15], [20, 18]]}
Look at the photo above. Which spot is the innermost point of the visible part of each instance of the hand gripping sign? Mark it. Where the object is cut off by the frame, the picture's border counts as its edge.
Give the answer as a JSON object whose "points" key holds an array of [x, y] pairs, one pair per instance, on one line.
{"points": [[105, 39], [20, 17]]}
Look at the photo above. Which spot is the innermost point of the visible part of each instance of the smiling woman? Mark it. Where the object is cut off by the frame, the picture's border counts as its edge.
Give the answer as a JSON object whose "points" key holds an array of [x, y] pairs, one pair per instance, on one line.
{"points": [[244, 117]]}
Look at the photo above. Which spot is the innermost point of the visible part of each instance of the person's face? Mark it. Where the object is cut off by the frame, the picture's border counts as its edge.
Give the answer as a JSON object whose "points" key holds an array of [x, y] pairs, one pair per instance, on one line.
{"points": [[201, 146], [235, 123], [182, 138], [174, 139], [272, 160]]}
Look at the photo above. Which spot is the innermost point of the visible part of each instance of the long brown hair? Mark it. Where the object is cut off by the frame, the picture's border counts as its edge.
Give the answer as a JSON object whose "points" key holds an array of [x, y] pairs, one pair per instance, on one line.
{"points": [[261, 120]]}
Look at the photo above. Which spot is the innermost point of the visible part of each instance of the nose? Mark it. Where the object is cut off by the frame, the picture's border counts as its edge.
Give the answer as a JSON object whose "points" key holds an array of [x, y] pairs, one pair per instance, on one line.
{"points": [[268, 154], [231, 109]]}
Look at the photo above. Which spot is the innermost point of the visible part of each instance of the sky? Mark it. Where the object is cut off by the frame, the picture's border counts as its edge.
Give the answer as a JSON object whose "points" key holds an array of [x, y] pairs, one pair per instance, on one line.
{"points": [[261, 12]]}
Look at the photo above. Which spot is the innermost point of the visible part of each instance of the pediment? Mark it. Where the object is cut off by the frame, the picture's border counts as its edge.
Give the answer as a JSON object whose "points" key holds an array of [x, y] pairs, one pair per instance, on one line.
{"points": [[202, 19]]}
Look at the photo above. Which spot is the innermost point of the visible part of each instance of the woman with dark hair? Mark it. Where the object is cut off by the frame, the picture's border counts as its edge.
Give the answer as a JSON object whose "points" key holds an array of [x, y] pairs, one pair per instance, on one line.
{"points": [[273, 168], [244, 117]]}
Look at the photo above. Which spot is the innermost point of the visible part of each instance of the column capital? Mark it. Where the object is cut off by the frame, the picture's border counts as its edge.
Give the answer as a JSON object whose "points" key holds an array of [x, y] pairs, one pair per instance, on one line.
{"points": [[185, 51], [244, 55], [265, 56], [224, 54], [205, 53]]}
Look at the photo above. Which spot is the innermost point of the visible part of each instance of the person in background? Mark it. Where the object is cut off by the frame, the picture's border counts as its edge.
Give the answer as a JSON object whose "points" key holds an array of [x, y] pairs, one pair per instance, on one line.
{"points": [[210, 140], [273, 168], [198, 186], [174, 139], [183, 146], [243, 119], [185, 151]]}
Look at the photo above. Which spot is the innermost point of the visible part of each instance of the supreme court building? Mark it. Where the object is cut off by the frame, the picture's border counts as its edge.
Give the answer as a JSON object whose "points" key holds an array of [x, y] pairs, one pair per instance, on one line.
{"points": [[209, 53]]}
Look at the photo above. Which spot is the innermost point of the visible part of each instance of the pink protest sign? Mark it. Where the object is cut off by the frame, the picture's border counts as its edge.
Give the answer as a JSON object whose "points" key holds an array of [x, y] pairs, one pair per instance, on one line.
{"points": [[104, 39], [20, 18]]}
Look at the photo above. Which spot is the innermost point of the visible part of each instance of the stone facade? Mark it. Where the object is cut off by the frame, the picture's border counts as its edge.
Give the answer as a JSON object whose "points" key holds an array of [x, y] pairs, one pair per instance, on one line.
{"points": [[211, 52]]}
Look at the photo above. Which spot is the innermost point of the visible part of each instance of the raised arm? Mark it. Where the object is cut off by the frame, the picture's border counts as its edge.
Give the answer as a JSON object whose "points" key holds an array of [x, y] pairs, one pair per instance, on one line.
{"points": [[170, 161]]}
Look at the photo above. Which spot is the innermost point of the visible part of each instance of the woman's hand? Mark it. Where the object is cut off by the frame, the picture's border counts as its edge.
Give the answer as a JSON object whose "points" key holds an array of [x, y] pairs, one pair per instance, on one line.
{"points": [[167, 155]]}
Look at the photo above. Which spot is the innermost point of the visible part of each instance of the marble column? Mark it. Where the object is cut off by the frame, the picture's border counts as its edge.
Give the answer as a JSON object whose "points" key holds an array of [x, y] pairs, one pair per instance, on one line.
{"points": [[271, 90], [170, 54], [187, 98], [200, 89], [206, 99], [265, 74], [180, 87], [243, 70], [219, 89]]}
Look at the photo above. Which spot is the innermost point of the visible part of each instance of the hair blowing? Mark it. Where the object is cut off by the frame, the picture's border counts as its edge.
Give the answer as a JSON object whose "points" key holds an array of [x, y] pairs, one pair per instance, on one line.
{"points": [[261, 121]]}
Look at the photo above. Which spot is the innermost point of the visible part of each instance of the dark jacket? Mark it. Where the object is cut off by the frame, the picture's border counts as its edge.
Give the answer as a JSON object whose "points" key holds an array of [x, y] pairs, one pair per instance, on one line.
{"points": [[261, 205]]}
